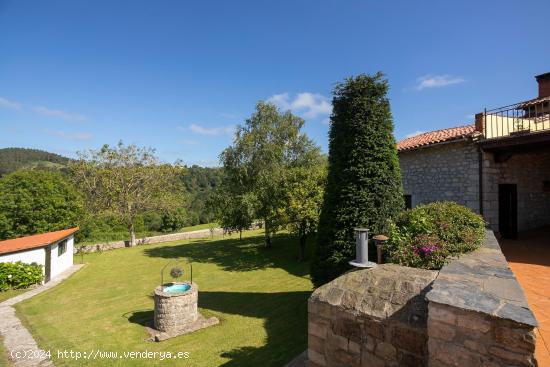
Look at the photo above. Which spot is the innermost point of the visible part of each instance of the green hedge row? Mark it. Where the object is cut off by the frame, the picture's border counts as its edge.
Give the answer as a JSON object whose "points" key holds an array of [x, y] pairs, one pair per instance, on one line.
{"points": [[19, 275]]}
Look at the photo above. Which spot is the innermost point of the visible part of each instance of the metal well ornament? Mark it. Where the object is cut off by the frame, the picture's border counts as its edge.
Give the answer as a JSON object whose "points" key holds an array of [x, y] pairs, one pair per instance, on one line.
{"points": [[362, 249]]}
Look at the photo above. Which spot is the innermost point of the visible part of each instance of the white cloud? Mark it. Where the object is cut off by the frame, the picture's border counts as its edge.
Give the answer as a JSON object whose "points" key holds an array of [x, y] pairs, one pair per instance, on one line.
{"points": [[326, 121], [280, 100], [6, 103], [418, 132], [437, 81], [309, 105], [70, 136], [67, 116], [204, 130]]}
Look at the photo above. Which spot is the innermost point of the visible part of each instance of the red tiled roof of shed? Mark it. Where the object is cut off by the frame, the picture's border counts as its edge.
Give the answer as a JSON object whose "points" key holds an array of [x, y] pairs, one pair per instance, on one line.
{"points": [[434, 137], [34, 241]]}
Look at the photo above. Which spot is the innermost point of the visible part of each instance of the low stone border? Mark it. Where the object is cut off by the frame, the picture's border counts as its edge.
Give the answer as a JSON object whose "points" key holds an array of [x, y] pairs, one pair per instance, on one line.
{"points": [[198, 324], [17, 338], [200, 233]]}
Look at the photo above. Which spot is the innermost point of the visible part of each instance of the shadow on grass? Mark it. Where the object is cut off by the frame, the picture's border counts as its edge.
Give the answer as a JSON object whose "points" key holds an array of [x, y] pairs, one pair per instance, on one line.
{"points": [[239, 255], [140, 317], [285, 323]]}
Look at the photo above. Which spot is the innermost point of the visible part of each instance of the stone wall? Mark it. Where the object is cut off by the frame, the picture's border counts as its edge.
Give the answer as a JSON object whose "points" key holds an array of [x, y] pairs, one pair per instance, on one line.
{"points": [[528, 170], [203, 233], [374, 317], [472, 313], [448, 171], [478, 314]]}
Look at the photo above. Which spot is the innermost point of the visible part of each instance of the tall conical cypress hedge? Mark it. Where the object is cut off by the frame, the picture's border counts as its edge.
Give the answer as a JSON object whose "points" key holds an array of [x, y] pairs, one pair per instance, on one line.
{"points": [[364, 182]]}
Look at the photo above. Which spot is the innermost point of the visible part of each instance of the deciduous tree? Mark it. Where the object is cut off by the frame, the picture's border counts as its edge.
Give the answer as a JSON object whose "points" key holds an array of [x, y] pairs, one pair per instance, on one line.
{"points": [[255, 166], [303, 190], [126, 181]]}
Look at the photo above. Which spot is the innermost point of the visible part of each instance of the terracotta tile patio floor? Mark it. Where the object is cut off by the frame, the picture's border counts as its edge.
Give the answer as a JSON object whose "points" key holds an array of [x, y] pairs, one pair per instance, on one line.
{"points": [[529, 259]]}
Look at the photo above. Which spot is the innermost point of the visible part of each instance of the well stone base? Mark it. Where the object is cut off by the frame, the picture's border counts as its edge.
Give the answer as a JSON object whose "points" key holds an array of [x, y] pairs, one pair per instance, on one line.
{"points": [[177, 314], [200, 323], [174, 311]]}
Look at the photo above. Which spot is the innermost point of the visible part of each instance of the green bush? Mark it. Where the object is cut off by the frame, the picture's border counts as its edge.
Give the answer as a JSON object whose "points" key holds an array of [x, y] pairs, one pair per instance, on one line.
{"points": [[426, 236], [173, 220], [19, 275]]}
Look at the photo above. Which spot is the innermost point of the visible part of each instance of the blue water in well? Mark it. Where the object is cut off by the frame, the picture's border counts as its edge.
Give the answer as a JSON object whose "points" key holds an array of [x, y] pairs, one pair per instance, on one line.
{"points": [[177, 288]]}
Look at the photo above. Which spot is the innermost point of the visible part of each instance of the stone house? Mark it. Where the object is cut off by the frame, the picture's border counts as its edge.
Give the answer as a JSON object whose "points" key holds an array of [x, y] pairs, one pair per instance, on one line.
{"points": [[499, 166]]}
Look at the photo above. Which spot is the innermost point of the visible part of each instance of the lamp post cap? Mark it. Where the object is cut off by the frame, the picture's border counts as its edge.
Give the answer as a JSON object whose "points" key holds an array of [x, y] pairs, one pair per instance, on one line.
{"points": [[361, 229]]}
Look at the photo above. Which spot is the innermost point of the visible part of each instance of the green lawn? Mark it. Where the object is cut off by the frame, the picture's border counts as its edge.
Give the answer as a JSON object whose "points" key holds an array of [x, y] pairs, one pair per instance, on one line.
{"points": [[3, 355], [260, 296], [11, 293]]}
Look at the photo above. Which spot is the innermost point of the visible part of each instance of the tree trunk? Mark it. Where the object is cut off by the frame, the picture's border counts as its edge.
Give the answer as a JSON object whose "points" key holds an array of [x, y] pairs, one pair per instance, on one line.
{"points": [[302, 254], [267, 235], [132, 235], [240, 235]]}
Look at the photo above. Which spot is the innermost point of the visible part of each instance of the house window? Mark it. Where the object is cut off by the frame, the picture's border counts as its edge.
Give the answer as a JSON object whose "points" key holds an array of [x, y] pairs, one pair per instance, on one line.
{"points": [[408, 201], [61, 247]]}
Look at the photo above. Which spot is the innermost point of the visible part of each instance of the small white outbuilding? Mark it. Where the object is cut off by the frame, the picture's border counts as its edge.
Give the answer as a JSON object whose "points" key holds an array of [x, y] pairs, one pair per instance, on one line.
{"points": [[52, 250]]}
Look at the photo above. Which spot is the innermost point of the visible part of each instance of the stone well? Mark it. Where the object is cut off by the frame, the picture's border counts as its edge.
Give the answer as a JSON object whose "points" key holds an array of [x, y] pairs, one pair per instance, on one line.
{"points": [[174, 312]]}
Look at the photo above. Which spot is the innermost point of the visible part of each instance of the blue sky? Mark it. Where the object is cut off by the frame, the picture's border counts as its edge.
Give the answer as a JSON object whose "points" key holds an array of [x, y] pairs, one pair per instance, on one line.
{"points": [[179, 75]]}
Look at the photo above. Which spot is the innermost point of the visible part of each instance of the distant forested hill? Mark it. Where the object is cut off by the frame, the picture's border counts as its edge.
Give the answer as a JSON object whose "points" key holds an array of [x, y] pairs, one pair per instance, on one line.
{"points": [[200, 182], [12, 159]]}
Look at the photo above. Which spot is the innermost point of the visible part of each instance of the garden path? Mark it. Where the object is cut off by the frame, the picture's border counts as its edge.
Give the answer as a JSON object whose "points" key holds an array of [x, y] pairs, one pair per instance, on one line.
{"points": [[17, 339]]}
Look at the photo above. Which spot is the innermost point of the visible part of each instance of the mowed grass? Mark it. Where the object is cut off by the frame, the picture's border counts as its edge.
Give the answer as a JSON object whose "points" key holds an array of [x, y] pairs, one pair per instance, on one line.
{"points": [[260, 295], [4, 295], [3, 354]]}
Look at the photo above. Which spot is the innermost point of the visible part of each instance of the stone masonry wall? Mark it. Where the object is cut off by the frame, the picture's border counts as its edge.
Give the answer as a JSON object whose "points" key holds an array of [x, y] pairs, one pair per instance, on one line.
{"points": [[459, 337], [201, 233], [442, 172], [374, 317], [478, 315], [472, 313], [528, 171]]}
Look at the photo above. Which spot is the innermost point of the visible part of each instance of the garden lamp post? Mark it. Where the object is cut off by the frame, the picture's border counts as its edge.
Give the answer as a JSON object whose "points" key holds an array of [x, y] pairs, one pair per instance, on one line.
{"points": [[362, 249]]}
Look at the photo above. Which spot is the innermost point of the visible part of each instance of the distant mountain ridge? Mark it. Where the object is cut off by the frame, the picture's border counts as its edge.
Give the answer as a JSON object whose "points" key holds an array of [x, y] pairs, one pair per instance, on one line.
{"points": [[13, 159]]}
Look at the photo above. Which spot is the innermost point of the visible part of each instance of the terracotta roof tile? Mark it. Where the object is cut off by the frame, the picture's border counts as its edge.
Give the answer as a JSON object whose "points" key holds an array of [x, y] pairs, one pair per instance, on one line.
{"points": [[34, 241], [433, 137]]}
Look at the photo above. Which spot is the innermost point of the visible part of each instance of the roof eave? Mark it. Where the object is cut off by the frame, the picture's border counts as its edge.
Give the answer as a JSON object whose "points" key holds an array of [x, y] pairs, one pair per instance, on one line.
{"points": [[449, 141]]}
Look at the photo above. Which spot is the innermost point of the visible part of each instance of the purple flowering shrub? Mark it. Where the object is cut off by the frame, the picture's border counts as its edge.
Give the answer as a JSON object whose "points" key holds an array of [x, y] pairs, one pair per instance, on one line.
{"points": [[428, 235]]}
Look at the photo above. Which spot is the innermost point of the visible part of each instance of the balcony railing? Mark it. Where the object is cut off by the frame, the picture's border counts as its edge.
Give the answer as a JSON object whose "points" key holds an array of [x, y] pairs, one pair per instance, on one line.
{"points": [[514, 120]]}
